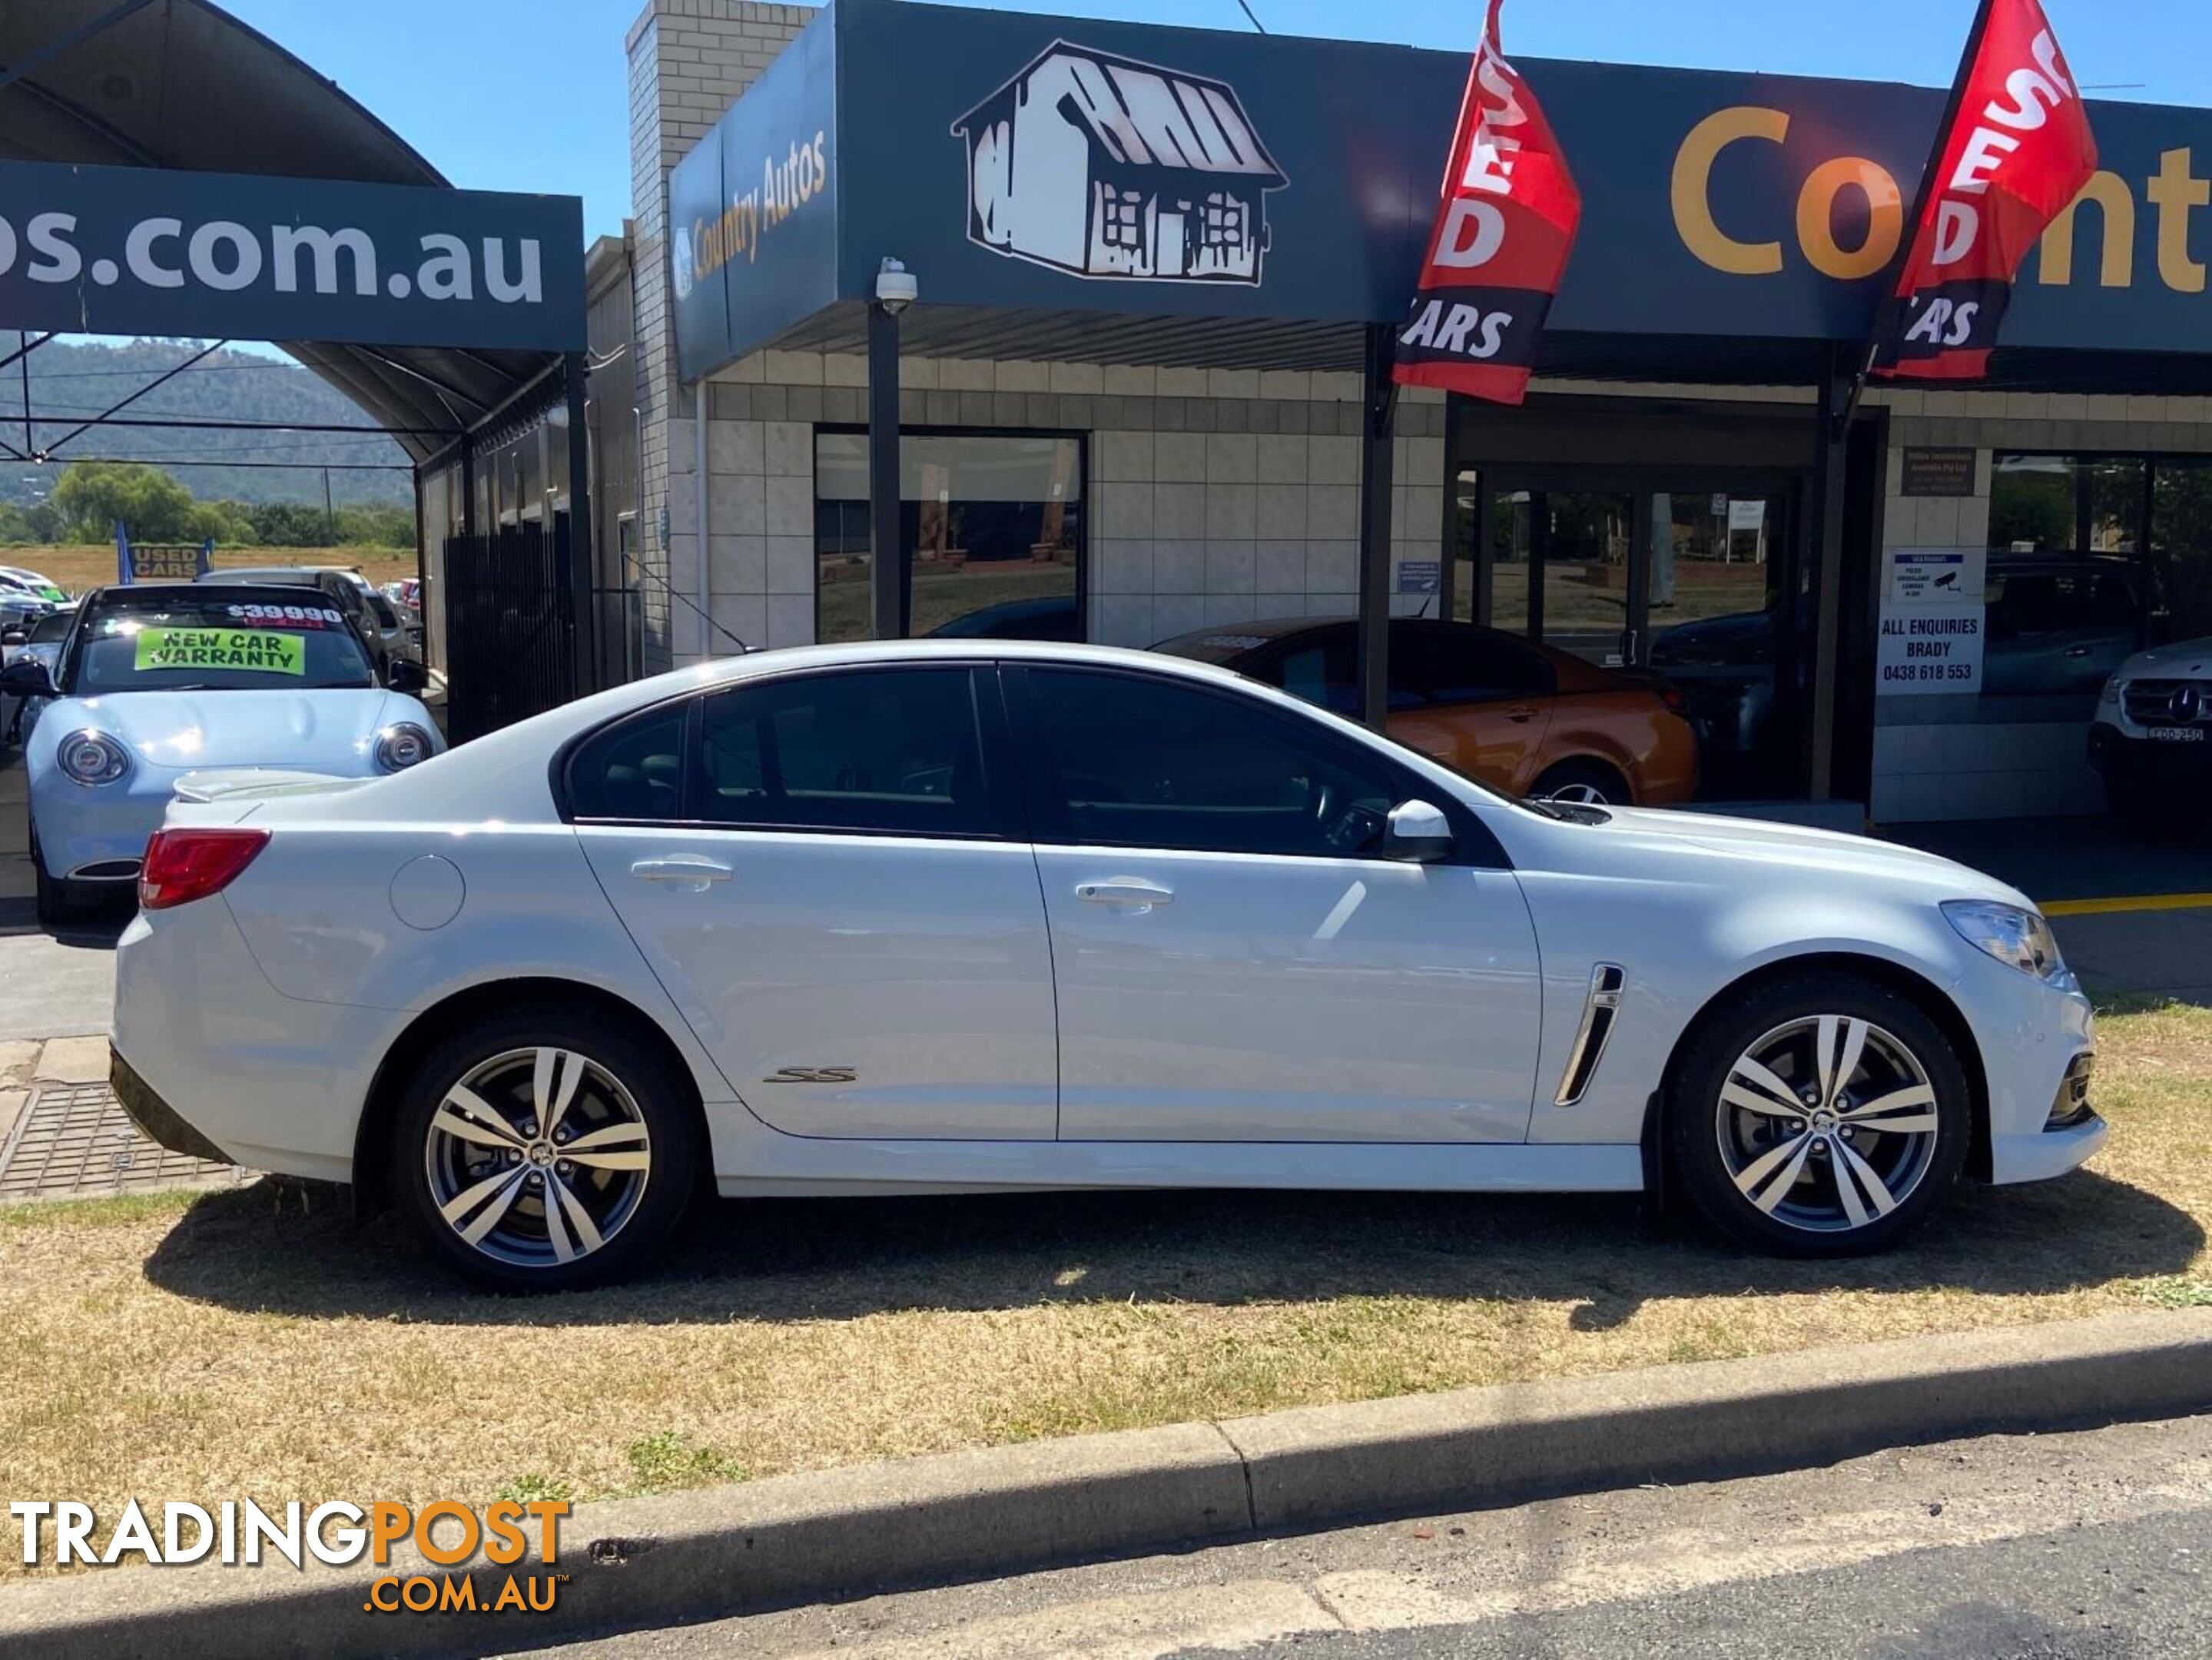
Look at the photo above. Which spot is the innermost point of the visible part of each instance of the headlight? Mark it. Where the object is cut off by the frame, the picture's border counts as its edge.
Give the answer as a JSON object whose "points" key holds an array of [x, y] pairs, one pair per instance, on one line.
{"points": [[2021, 938], [400, 747], [2112, 691], [93, 757]]}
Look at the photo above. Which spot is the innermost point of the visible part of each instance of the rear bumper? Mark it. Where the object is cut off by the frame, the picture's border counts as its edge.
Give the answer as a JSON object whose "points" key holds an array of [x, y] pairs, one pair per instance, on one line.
{"points": [[157, 1121]]}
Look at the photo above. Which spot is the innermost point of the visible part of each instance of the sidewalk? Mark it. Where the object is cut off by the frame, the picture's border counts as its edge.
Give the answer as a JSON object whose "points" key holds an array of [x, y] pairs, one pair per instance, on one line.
{"points": [[63, 1135]]}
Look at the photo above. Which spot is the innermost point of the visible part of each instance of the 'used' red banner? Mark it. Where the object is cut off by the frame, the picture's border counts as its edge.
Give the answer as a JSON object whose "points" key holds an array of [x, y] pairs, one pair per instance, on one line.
{"points": [[2019, 149], [1503, 233]]}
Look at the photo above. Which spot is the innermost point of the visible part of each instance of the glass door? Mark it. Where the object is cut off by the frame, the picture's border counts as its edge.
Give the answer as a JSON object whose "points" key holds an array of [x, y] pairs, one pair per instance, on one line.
{"points": [[1690, 574], [1723, 626]]}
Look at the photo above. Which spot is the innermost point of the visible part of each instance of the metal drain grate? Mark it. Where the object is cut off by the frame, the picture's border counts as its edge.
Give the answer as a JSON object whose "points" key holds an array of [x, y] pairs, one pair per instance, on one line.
{"points": [[75, 1141]]}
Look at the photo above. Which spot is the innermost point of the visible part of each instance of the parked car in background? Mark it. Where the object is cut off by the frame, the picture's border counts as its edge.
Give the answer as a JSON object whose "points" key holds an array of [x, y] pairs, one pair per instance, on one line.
{"points": [[2058, 626], [41, 643], [32, 582], [937, 915], [352, 593], [1049, 617], [2151, 740], [160, 684], [1520, 717]]}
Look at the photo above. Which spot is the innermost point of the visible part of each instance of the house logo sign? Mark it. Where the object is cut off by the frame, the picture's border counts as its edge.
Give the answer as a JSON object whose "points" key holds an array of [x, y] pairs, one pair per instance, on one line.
{"points": [[1111, 169]]}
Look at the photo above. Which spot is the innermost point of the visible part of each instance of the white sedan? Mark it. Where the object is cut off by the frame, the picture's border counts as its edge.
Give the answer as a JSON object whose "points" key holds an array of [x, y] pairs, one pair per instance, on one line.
{"points": [[966, 914]]}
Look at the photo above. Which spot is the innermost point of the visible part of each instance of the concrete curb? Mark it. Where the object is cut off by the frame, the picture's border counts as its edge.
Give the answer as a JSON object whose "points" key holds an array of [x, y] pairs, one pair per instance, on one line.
{"points": [[848, 1532]]}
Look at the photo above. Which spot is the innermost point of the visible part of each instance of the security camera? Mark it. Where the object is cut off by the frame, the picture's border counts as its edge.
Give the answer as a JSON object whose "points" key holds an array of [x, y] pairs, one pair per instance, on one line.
{"points": [[894, 287]]}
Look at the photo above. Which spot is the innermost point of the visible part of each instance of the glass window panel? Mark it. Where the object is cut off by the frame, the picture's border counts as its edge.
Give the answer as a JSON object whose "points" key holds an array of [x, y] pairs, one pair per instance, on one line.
{"points": [[2181, 547], [993, 522], [1584, 537], [893, 752], [2062, 597], [1131, 762], [1708, 556], [633, 770]]}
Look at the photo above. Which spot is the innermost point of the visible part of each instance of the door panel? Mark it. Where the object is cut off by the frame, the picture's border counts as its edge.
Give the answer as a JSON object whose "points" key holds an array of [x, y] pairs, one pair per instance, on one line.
{"points": [[826, 877], [1291, 999], [919, 967], [1232, 962]]}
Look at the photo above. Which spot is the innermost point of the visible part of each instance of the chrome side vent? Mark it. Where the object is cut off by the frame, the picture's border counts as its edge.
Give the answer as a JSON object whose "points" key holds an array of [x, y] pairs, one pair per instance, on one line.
{"points": [[1600, 1009]]}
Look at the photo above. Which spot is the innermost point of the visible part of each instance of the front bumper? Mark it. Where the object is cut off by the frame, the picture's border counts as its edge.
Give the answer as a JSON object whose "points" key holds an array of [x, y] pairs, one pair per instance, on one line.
{"points": [[2125, 758]]}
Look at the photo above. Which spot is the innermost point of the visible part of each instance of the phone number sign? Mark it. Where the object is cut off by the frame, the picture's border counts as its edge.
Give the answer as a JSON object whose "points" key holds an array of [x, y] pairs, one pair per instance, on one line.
{"points": [[1930, 648]]}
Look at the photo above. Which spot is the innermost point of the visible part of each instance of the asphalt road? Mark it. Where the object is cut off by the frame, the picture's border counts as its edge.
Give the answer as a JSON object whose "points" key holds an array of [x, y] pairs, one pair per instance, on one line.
{"points": [[2095, 1546]]}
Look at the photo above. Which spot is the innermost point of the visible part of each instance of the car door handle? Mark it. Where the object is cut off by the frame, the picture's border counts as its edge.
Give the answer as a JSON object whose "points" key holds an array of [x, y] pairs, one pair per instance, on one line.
{"points": [[693, 874], [1522, 712], [1132, 891]]}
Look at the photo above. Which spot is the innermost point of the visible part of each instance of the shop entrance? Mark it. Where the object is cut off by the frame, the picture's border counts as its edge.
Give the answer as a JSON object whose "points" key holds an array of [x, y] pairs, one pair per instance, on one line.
{"points": [[1691, 573], [1687, 558]]}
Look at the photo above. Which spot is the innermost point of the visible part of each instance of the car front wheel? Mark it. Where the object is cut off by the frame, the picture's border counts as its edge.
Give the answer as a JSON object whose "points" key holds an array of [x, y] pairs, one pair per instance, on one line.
{"points": [[1820, 1116], [546, 1150]]}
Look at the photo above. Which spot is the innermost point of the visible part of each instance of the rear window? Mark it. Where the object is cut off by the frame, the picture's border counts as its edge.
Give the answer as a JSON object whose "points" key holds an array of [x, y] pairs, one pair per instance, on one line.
{"points": [[178, 643]]}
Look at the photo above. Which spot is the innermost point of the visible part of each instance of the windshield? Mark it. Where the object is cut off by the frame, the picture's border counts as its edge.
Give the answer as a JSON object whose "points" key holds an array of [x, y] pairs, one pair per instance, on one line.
{"points": [[215, 644]]}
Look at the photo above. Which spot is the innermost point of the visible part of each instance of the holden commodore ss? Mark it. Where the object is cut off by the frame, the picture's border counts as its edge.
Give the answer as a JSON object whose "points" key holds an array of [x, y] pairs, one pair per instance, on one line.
{"points": [[168, 686], [940, 915]]}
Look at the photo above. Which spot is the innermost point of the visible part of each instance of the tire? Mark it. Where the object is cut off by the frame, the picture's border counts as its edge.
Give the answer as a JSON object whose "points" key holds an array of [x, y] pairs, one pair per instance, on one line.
{"points": [[1775, 1181], [60, 901], [623, 1094], [1586, 781]]}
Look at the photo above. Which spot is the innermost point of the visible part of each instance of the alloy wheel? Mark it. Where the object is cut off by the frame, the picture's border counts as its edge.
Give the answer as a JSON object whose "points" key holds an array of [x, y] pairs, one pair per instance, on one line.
{"points": [[1827, 1123], [538, 1157]]}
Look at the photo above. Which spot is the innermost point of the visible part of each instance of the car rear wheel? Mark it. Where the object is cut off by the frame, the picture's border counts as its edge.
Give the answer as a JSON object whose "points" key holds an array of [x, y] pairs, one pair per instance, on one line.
{"points": [[1820, 1116], [1591, 783], [546, 1149]]}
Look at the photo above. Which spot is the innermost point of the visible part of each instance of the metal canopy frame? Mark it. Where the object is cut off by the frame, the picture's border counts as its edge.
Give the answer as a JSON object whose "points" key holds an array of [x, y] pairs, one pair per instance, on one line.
{"points": [[99, 82]]}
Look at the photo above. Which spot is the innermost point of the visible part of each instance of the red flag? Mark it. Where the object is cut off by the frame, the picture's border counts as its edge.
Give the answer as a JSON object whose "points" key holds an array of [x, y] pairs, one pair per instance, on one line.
{"points": [[2018, 149], [1503, 233]]}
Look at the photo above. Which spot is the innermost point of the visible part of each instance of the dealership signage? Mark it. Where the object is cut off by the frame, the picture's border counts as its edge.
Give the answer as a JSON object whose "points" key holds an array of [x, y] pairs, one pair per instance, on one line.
{"points": [[1718, 205], [752, 211], [149, 250], [1933, 623]]}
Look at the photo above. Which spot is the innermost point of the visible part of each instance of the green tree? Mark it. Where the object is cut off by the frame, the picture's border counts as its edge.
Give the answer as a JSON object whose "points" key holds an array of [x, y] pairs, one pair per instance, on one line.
{"points": [[92, 496], [383, 526], [290, 525]]}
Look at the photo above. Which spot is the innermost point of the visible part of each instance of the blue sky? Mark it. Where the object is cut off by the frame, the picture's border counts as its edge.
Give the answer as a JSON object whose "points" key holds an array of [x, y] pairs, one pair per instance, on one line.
{"points": [[529, 94]]}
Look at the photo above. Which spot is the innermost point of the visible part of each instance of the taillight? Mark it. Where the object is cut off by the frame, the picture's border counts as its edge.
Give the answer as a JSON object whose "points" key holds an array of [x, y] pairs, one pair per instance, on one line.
{"points": [[1675, 702], [185, 865]]}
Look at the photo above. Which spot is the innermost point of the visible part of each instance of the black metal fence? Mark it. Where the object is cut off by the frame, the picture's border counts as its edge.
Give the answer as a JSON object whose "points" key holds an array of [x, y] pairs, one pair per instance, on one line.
{"points": [[510, 627]]}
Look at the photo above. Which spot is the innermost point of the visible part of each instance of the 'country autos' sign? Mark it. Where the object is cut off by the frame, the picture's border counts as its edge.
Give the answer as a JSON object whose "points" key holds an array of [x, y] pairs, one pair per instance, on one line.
{"points": [[148, 251]]}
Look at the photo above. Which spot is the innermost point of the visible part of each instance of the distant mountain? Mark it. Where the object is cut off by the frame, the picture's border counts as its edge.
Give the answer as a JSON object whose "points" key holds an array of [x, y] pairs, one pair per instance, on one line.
{"points": [[71, 382]]}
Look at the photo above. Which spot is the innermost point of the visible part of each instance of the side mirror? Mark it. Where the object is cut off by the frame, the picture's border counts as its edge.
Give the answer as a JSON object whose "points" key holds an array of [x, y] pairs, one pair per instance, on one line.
{"points": [[1416, 833], [405, 674], [26, 676]]}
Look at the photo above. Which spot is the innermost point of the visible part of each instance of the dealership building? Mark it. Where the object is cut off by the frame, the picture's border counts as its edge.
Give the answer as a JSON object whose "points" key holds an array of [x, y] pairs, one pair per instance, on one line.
{"points": [[1134, 398]]}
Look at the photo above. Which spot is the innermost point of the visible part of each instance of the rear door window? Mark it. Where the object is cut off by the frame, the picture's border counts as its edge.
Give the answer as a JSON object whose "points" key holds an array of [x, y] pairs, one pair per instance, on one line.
{"points": [[888, 752]]}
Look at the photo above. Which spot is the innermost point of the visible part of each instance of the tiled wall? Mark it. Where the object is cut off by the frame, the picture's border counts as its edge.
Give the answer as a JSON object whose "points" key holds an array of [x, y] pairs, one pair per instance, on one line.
{"points": [[1214, 495]]}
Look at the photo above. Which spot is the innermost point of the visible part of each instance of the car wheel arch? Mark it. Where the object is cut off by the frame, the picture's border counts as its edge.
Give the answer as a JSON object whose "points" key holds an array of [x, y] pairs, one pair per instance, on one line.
{"points": [[1916, 987], [380, 1109]]}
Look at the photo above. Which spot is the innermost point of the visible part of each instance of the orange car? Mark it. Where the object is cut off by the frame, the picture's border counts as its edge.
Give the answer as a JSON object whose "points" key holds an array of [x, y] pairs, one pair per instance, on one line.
{"points": [[1518, 716]]}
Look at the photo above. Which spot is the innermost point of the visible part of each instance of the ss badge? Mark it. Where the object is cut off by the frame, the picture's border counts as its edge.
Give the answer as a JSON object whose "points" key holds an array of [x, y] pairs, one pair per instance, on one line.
{"points": [[814, 1075]]}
